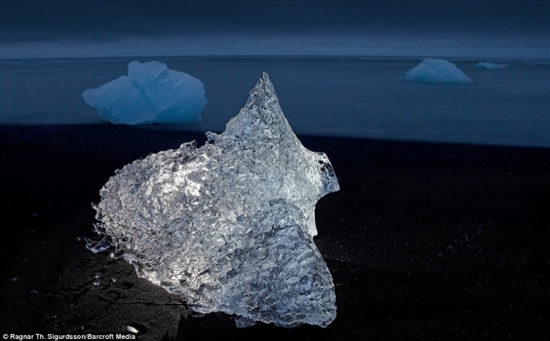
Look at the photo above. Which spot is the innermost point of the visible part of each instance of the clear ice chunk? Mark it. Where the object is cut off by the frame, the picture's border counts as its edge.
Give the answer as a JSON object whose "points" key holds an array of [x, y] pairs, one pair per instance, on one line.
{"points": [[229, 226]]}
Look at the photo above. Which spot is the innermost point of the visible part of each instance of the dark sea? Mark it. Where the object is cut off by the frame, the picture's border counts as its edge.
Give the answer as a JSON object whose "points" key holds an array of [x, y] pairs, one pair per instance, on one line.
{"points": [[326, 96]]}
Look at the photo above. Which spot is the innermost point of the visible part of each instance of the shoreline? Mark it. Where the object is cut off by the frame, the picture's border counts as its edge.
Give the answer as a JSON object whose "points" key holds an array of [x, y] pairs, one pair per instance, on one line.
{"points": [[424, 240]]}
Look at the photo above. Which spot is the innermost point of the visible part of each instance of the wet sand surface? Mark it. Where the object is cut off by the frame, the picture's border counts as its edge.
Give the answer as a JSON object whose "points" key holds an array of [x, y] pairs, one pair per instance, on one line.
{"points": [[424, 241]]}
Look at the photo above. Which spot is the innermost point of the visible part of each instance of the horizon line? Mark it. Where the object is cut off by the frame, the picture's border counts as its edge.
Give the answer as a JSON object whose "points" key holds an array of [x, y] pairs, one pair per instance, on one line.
{"points": [[290, 56]]}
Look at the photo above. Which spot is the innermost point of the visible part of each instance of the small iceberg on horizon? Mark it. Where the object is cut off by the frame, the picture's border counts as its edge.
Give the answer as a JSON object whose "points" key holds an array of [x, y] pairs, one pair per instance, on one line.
{"points": [[435, 71], [492, 66], [151, 93]]}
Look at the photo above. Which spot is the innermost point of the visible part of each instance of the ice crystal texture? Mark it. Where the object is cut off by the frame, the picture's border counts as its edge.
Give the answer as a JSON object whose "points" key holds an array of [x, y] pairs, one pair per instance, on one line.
{"points": [[229, 226]]}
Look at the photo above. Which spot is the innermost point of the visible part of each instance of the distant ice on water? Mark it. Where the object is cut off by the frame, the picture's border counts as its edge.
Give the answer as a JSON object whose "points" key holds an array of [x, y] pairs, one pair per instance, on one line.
{"points": [[151, 93], [435, 71], [493, 66]]}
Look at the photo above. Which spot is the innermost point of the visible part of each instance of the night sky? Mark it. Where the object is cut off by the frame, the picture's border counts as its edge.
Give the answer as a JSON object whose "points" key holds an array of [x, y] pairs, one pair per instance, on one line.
{"points": [[492, 29]]}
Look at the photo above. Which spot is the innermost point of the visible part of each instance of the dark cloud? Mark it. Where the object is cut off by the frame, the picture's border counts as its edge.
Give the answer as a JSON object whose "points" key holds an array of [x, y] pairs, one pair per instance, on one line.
{"points": [[111, 21], [99, 20]]}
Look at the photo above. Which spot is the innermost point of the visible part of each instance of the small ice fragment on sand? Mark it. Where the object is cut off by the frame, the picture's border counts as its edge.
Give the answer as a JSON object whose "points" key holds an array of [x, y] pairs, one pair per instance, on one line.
{"points": [[132, 330], [97, 246]]}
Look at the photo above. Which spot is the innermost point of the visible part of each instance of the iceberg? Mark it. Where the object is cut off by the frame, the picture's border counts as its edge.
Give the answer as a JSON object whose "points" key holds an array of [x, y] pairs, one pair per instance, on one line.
{"points": [[487, 65], [435, 71], [151, 93], [229, 226]]}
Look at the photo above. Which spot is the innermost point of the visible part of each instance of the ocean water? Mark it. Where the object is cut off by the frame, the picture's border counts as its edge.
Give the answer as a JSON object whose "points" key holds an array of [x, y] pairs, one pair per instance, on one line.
{"points": [[350, 97]]}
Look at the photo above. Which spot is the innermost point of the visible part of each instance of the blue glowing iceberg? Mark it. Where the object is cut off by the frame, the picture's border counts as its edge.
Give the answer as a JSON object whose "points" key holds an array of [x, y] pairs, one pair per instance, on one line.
{"points": [[151, 93], [435, 71]]}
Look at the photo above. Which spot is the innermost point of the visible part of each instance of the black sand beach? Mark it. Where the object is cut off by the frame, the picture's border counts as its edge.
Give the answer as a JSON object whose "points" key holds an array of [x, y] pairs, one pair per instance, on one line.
{"points": [[424, 241]]}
